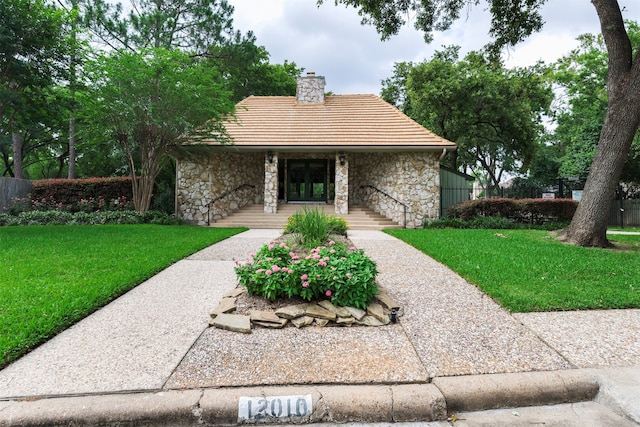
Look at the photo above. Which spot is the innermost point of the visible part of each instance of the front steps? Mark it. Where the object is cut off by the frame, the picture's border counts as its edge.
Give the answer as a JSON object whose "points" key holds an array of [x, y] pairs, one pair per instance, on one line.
{"points": [[253, 216]]}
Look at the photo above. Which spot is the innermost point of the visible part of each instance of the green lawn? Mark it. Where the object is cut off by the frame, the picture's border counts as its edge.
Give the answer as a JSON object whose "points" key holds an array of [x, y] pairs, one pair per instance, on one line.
{"points": [[53, 276], [528, 270]]}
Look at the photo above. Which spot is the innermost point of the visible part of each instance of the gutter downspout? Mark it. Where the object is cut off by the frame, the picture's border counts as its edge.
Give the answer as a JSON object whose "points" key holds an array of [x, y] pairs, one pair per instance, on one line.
{"points": [[444, 153]]}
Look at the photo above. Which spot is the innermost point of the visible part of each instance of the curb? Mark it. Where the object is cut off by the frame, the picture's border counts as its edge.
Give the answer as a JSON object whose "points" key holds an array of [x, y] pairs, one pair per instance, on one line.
{"points": [[331, 403]]}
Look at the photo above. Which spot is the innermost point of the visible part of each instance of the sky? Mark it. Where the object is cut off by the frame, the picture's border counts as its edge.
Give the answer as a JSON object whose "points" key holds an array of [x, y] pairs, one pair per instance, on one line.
{"points": [[330, 41]]}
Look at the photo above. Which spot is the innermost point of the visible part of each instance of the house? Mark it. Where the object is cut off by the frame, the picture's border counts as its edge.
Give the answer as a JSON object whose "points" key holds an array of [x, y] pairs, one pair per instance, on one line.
{"points": [[342, 150]]}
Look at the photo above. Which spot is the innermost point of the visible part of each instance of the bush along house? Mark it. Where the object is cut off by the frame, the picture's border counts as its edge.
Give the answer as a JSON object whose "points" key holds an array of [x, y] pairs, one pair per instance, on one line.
{"points": [[338, 150]]}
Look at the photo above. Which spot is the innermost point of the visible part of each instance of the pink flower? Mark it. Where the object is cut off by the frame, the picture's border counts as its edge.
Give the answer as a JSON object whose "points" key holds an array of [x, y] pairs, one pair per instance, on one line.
{"points": [[291, 254], [260, 270], [349, 276], [252, 255], [316, 256], [275, 268], [283, 245], [331, 243], [352, 248], [328, 293], [322, 263], [305, 284], [304, 277], [333, 251], [268, 272], [290, 271], [271, 247], [326, 258], [269, 259]]}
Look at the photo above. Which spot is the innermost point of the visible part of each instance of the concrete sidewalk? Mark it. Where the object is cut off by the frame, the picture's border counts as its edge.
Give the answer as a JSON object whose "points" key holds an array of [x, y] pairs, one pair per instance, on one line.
{"points": [[150, 357]]}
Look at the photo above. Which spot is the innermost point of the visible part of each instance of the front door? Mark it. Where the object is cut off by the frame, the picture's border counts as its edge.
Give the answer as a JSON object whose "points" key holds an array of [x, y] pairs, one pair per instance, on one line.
{"points": [[307, 180]]}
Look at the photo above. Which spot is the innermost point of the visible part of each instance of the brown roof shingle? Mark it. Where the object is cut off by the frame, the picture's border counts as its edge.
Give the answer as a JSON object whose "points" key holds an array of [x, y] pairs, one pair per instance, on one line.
{"points": [[343, 121]]}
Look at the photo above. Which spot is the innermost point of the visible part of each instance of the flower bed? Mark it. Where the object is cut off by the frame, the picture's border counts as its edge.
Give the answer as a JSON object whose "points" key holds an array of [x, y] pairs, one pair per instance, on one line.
{"points": [[336, 271]]}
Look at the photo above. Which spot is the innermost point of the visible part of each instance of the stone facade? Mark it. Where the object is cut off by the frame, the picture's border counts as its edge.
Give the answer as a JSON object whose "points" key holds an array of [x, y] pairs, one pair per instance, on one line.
{"points": [[411, 178], [271, 183], [310, 89], [341, 200], [201, 179]]}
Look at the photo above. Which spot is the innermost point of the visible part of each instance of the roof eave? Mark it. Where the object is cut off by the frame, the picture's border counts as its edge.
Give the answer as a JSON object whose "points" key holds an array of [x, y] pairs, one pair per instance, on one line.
{"points": [[333, 148]]}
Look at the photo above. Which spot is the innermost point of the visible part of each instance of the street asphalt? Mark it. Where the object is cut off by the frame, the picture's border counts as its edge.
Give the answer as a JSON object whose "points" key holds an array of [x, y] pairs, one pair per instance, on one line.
{"points": [[454, 358]]}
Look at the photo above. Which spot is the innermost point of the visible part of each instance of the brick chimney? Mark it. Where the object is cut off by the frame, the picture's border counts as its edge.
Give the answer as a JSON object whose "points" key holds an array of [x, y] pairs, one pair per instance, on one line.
{"points": [[310, 89]]}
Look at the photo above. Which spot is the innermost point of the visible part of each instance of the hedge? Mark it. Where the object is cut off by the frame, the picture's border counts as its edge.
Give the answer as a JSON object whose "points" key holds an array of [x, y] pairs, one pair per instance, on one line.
{"points": [[72, 191], [525, 211]]}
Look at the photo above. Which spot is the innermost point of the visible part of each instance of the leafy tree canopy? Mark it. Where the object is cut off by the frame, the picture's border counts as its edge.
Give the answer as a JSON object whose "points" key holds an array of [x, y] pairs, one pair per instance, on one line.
{"points": [[510, 24], [492, 113], [144, 101], [582, 75]]}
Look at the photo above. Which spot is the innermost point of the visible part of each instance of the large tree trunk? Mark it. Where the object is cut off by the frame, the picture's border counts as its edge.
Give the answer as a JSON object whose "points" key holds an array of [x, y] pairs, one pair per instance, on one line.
{"points": [[589, 224]]}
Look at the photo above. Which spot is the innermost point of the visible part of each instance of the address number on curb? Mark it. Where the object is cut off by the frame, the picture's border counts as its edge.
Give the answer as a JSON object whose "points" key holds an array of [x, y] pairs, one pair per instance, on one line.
{"points": [[266, 407]]}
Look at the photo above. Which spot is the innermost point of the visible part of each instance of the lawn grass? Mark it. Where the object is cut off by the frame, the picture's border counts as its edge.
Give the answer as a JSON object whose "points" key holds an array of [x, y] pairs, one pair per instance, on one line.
{"points": [[528, 270], [53, 276]]}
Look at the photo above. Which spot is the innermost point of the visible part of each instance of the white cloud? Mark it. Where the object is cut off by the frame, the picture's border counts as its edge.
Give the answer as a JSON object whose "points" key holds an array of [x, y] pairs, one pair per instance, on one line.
{"points": [[331, 41]]}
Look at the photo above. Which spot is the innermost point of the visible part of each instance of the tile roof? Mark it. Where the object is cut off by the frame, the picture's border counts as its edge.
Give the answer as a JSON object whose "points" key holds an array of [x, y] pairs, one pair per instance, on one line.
{"points": [[343, 121]]}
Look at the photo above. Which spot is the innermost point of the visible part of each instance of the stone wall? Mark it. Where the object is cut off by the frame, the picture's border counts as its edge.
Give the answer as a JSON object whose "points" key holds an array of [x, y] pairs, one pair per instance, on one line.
{"points": [[341, 200], [201, 179], [411, 178], [271, 184]]}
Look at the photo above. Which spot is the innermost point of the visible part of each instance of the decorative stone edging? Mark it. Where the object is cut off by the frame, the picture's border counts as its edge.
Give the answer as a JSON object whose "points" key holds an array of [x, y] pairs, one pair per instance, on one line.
{"points": [[383, 311]]}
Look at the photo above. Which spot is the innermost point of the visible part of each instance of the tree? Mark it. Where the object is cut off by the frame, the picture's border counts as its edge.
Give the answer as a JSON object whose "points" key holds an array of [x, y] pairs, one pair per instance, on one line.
{"points": [[512, 22], [191, 43], [42, 150], [582, 75], [492, 113], [32, 50], [152, 102]]}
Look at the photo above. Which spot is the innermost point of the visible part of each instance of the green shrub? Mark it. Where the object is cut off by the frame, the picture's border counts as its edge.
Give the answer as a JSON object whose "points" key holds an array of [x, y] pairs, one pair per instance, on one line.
{"points": [[447, 223], [58, 217], [161, 218], [8, 219], [491, 222], [315, 226], [346, 277], [73, 191], [521, 211]]}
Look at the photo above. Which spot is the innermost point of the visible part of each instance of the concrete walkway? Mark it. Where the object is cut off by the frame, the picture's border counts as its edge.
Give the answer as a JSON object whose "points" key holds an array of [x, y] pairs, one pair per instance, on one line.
{"points": [[150, 357]]}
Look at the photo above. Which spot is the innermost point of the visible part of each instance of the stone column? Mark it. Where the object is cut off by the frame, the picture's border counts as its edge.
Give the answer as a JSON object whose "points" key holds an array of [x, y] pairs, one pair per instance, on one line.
{"points": [[271, 184], [342, 185]]}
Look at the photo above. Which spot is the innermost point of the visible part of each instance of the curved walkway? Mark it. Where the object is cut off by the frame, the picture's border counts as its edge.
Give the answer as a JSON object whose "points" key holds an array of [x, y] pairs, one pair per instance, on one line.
{"points": [[454, 349]]}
